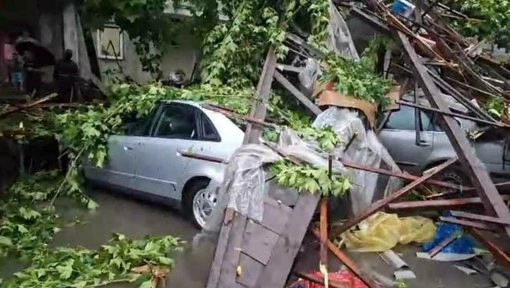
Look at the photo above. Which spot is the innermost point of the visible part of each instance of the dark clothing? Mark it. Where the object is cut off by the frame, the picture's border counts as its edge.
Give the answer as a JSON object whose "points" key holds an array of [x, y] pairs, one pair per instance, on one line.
{"points": [[15, 66], [66, 75], [32, 78]]}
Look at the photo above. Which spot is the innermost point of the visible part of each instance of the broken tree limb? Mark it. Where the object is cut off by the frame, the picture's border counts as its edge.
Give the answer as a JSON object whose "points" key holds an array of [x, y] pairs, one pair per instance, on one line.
{"points": [[438, 204], [309, 105], [347, 262], [491, 199], [28, 106], [259, 110], [484, 218], [376, 206]]}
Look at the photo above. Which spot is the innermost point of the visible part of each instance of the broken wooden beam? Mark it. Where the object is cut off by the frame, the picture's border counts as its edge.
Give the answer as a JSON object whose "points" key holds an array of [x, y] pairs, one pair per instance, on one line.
{"points": [[451, 114], [29, 105], [501, 256], [445, 242], [259, 109], [376, 206], [467, 223], [323, 228], [478, 217], [347, 262], [309, 105], [438, 204], [405, 176], [488, 193], [318, 280]]}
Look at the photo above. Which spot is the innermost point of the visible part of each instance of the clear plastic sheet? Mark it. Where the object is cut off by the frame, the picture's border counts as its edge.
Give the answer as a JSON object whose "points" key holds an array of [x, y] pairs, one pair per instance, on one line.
{"points": [[244, 185], [340, 40], [309, 75], [364, 149], [243, 188]]}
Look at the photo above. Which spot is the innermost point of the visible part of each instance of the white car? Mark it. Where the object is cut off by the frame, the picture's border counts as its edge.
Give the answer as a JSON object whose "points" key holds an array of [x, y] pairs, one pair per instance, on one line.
{"points": [[146, 161]]}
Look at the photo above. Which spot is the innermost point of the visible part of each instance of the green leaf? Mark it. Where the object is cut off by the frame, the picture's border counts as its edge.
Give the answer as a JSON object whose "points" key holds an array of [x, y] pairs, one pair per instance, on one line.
{"points": [[65, 271], [147, 284], [92, 205], [165, 261], [5, 241]]}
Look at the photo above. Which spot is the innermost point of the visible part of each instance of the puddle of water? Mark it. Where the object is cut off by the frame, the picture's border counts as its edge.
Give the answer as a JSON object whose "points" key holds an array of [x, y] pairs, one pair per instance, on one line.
{"points": [[120, 214]]}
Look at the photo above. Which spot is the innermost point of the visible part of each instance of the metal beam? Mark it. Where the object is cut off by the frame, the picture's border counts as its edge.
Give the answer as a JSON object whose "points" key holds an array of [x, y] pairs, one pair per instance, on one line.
{"points": [[488, 193]]}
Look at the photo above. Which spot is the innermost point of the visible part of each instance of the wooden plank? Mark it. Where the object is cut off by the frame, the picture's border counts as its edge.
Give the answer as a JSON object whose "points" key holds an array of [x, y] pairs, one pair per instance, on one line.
{"points": [[467, 223], [383, 202], [403, 175], [258, 242], [445, 242], [250, 270], [347, 262], [275, 215], [488, 193], [501, 256], [233, 252], [309, 105], [259, 109], [214, 274], [281, 260], [478, 217], [323, 256], [437, 204], [451, 114]]}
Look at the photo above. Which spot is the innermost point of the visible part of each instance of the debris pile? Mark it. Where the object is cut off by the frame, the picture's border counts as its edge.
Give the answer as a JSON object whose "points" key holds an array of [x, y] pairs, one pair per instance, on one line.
{"points": [[451, 78]]}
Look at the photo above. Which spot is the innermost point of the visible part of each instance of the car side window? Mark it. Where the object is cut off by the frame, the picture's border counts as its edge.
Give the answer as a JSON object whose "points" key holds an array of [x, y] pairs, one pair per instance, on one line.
{"points": [[403, 119], [177, 121], [138, 127], [209, 132]]}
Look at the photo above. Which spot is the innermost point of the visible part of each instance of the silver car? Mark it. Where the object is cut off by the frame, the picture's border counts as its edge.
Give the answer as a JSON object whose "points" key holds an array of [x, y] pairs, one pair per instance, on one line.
{"points": [[398, 135], [147, 160]]}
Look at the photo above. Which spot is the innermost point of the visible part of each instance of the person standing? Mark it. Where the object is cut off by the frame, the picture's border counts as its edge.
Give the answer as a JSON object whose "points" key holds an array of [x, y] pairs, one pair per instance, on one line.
{"points": [[33, 73], [15, 67], [66, 76]]}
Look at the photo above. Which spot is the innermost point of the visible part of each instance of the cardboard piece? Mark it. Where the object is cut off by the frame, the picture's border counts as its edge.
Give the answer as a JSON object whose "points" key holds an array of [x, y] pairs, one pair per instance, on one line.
{"points": [[333, 98]]}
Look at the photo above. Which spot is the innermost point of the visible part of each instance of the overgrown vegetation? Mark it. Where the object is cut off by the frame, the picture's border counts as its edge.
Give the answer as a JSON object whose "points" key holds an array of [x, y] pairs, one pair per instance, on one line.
{"points": [[487, 19], [359, 79], [29, 222]]}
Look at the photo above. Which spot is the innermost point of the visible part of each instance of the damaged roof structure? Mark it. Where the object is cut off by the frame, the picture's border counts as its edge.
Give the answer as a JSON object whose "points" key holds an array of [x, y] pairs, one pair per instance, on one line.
{"points": [[261, 233]]}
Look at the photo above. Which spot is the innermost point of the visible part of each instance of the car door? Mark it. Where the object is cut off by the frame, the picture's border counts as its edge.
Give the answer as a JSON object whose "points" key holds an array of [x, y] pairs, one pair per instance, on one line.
{"points": [[399, 137], [119, 168], [159, 166]]}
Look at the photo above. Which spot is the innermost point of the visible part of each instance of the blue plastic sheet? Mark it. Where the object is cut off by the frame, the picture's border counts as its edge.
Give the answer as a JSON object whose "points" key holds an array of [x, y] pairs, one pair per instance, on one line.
{"points": [[463, 245]]}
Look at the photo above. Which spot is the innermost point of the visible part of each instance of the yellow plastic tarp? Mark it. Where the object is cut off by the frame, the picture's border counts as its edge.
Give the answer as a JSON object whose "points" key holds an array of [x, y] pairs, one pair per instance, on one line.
{"points": [[381, 232]]}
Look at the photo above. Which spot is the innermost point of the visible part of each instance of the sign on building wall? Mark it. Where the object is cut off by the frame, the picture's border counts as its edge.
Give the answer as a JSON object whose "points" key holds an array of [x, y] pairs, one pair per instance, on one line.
{"points": [[110, 43]]}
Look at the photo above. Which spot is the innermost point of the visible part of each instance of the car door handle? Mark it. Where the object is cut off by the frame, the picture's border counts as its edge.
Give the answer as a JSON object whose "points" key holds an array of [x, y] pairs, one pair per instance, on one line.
{"points": [[424, 143], [127, 148]]}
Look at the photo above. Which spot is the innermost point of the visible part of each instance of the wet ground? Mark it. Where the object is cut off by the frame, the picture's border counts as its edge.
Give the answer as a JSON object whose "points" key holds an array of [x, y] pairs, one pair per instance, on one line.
{"points": [[134, 218]]}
